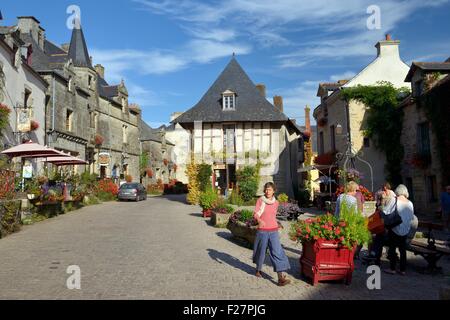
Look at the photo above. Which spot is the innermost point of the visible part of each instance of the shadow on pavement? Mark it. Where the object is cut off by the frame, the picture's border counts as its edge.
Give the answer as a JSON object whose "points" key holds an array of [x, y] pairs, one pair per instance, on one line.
{"points": [[175, 197], [222, 257]]}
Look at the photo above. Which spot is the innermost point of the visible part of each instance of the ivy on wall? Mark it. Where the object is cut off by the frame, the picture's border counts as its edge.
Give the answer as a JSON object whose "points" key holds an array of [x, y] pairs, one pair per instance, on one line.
{"points": [[436, 105], [384, 121]]}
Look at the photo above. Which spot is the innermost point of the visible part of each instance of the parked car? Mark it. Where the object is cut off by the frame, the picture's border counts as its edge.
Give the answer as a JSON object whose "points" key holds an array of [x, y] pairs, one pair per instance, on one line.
{"points": [[132, 191]]}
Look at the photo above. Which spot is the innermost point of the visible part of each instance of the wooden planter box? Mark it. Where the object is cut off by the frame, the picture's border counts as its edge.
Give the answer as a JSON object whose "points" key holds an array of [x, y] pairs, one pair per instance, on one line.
{"points": [[241, 231], [220, 219], [324, 260]]}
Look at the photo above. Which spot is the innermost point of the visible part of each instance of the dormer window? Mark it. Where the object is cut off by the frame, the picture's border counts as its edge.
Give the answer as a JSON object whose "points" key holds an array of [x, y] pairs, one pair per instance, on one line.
{"points": [[229, 100]]}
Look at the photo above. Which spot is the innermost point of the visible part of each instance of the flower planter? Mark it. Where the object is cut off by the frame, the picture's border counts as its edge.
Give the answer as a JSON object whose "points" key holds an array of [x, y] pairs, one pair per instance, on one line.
{"points": [[241, 231], [207, 213], [324, 260], [220, 219]]}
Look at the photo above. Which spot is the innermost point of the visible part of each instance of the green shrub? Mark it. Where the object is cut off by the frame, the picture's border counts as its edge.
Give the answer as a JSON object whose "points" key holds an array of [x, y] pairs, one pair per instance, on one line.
{"points": [[9, 217], [248, 181], [204, 176], [208, 199], [106, 196], [246, 215], [235, 198], [283, 198]]}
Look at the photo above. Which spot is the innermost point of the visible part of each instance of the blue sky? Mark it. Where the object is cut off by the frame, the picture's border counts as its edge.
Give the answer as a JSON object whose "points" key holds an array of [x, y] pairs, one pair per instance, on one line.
{"points": [[170, 51]]}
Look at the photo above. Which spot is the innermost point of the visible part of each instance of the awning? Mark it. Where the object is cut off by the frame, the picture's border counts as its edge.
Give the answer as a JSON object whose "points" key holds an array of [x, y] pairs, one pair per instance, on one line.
{"points": [[31, 150], [316, 167], [66, 161]]}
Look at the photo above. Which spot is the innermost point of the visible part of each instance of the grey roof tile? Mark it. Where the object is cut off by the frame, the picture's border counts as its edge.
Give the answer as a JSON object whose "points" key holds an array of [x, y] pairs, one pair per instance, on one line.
{"points": [[78, 51], [250, 104]]}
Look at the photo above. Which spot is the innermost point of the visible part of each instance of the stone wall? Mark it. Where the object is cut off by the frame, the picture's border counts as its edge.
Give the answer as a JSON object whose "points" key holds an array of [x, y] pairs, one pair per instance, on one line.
{"points": [[420, 191]]}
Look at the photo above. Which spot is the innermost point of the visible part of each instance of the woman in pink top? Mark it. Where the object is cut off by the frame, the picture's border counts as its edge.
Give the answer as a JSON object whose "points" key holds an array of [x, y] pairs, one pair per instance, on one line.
{"points": [[268, 236]]}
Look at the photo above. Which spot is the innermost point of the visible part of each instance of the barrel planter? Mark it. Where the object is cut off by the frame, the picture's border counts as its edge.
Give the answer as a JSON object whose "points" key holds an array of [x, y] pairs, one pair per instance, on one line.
{"points": [[241, 231], [324, 260]]}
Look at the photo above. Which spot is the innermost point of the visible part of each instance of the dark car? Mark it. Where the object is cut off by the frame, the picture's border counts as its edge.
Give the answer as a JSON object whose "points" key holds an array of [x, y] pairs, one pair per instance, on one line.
{"points": [[132, 191]]}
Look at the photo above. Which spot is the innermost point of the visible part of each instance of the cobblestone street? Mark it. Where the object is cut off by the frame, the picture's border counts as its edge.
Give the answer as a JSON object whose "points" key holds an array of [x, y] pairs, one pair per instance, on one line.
{"points": [[163, 249]]}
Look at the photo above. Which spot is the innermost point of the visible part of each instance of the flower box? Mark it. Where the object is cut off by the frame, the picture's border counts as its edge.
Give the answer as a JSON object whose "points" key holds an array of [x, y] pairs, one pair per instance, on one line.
{"points": [[220, 219], [241, 231], [324, 260]]}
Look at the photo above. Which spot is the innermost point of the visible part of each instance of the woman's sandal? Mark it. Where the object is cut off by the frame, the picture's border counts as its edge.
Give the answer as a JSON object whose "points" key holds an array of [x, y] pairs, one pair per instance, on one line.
{"points": [[283, 282]]}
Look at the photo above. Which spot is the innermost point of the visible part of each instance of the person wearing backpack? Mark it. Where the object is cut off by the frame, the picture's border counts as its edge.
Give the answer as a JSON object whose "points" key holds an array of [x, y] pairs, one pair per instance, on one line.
{"points": [[398, 232]]}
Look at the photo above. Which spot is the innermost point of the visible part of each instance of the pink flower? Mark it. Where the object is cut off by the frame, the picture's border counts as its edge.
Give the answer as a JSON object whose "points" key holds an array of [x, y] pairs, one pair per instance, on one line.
{"points": [[338, 231], [342, 239], [316, 237], [307, 236]]}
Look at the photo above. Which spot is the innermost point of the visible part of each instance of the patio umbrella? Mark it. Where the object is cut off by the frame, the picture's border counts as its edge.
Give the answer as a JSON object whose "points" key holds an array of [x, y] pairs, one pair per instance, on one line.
{"points": [[31, 150], [66, 160]]}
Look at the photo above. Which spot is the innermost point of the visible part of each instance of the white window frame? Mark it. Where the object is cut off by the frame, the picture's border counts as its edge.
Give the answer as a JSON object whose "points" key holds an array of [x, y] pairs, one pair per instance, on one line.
{"points": [[229, 100]]}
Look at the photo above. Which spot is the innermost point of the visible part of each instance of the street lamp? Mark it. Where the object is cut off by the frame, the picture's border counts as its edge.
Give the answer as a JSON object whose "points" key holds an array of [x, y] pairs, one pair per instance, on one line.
{"points": [[350, 154]]}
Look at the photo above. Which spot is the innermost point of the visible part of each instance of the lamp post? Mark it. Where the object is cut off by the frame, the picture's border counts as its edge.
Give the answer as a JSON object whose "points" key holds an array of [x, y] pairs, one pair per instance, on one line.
{"points": [[351, 155]]}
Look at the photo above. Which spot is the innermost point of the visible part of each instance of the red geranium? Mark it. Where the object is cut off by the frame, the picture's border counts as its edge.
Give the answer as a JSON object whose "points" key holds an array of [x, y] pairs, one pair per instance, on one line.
{"points": [[34, 125]]}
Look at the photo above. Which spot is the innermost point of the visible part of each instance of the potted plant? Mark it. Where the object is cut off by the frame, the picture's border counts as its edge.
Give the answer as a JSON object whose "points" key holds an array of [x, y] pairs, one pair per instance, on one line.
{"points": [[221, 214], [289, 211], [329, 244], [98, 140], [243, 226], [207, 201]]}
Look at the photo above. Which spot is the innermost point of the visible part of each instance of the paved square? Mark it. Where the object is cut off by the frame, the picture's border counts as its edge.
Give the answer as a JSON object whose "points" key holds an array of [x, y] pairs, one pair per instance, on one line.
{"points": [[163, 249]]}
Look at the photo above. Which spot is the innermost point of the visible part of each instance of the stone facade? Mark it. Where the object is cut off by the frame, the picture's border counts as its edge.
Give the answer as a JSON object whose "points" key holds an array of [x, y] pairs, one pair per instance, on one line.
{"points": [[334, 112], [81, 105], [422, 169]]}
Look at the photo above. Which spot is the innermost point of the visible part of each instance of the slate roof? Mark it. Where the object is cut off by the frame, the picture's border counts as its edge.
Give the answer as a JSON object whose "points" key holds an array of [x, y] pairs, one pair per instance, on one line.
{"points": [[427, 66], [250, 105], [78, 51], [147, 133]]}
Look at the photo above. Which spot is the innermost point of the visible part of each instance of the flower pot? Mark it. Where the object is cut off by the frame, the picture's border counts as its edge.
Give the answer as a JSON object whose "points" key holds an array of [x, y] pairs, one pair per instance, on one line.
{"points": [[220, 219], [324, 260], [241, 231], [207, 213]]}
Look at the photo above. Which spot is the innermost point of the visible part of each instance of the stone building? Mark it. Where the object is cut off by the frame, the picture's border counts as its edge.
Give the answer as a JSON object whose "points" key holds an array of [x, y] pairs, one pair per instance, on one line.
{"points": [[233, 125], [423, 170], [22, 91], [158, 150], [334, 113], [85, 116]]}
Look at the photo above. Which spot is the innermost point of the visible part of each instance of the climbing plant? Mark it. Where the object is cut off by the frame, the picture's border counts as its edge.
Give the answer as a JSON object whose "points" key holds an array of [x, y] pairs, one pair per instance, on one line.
{"points": [[435, 104], [384, 121]]}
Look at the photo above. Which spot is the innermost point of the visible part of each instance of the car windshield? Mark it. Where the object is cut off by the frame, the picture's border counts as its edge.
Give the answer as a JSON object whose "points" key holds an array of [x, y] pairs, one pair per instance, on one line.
{"points": [[129, 186]]}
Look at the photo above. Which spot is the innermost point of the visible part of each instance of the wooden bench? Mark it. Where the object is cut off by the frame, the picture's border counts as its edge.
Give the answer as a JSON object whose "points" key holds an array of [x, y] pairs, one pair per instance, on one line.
{"points": [[431, 252]]}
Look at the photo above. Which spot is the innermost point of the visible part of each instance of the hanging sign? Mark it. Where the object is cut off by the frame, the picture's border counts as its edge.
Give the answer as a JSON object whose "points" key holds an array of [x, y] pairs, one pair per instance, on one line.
{"points": [[104, 159], [24, 120], [27, 171]]}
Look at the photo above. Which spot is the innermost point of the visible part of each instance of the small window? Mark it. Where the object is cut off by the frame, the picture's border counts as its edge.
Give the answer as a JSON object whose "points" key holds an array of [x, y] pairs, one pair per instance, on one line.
{"points": [[27, 99], [333, 137], [125, 134], [366, 143], [423, 139], [229, 100], [69, 119], [432, 189]]}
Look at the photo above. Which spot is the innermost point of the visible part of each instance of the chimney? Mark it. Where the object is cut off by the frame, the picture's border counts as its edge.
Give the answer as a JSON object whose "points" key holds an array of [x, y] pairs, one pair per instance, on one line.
{"points": [[65, 47], [388, 48], [100, 70], [262, 89], [278, 103], [308, 119], [175, 115], [32, 26]]}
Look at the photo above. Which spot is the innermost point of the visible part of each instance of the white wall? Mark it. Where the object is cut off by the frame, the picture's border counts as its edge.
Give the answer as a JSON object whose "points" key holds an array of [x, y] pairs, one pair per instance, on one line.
{"points": [[16, 80]]}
